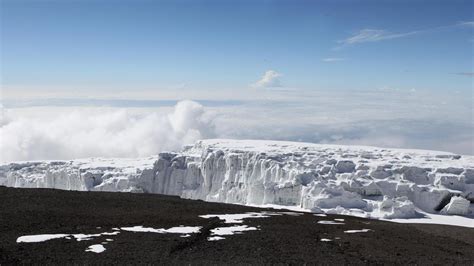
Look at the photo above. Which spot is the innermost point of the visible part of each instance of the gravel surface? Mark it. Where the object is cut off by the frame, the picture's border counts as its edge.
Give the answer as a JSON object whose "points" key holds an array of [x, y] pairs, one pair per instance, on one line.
{"points": [[283, 238]]}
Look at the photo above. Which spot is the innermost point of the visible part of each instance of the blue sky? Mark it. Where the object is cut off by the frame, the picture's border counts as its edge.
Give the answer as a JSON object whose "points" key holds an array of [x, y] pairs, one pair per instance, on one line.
{"points": [[382, 73], [230, 44]]}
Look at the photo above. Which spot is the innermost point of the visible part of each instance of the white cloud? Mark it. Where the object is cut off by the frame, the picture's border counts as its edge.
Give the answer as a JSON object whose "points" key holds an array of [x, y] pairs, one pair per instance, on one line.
{"points": [[466, 23], [270, 79], [469, 74], [92, 132], [395, 118], [333, 59], [374, 35], [389, 118]]}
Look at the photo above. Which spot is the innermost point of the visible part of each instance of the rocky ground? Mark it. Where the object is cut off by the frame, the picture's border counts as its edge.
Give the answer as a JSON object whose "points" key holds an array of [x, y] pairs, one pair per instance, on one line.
{"points": [[282, 238]]}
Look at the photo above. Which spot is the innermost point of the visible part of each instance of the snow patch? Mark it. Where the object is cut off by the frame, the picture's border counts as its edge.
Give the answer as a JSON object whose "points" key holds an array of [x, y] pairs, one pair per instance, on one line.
{"points": [[140, 228], [320, 214], [329, 222], [183, 230], [172, 230], [238, 218], [231, 230], [39, 238], [83, 237], [97, 248], [357, 231], [429, 218], [46, 237], [215, 238]]}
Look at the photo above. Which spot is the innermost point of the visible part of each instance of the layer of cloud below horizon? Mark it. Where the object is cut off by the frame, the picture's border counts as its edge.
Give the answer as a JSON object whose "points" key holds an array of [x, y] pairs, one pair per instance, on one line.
{"points": [[97, 132], [387, 119]]}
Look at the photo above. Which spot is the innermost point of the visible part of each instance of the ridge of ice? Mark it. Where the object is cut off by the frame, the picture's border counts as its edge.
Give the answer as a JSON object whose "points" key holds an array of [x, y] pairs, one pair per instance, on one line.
{"points": [[353, 180]]}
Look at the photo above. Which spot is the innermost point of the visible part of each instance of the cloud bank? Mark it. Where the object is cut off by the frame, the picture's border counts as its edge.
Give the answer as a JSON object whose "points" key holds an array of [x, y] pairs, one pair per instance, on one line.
{"points": [[102, 133], [386, 118]]}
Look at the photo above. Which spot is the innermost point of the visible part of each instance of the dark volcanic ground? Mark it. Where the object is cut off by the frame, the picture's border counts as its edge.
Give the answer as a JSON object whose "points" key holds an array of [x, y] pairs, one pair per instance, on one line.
{"points": [[281, 239]]}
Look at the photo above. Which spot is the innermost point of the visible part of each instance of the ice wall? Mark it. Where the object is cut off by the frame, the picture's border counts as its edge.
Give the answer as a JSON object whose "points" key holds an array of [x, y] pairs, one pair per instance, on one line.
{"points": [[365, 181]]}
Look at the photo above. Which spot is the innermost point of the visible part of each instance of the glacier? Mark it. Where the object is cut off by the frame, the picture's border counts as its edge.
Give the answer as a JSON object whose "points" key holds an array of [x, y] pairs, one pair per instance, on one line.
{"points": [[354, 180]]}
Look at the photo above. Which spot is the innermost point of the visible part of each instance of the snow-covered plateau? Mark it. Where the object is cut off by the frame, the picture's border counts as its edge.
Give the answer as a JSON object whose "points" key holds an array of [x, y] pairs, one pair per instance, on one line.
{"points": [[353, 180]]}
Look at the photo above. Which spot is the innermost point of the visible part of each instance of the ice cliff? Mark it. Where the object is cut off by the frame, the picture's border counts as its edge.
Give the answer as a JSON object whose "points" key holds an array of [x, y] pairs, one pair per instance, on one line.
{"points": [[357, 180]]}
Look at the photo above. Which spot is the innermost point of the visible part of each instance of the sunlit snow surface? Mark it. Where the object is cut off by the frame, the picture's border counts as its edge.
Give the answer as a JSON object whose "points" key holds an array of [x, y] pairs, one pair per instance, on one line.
{"points": [[173, 230], [39, 238], [428, 218], [231, 230], [328, 222], [142, 229], [185, 231], [396, 184], [357, 231], [97, 248], [82, 237], [439, 219], [46, 237], [215, 238], [238, 218]]}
